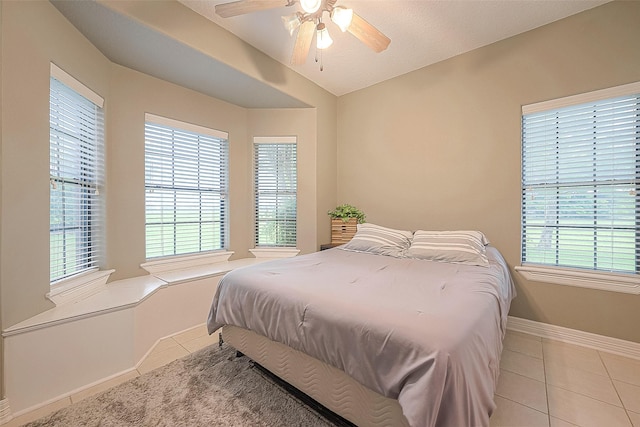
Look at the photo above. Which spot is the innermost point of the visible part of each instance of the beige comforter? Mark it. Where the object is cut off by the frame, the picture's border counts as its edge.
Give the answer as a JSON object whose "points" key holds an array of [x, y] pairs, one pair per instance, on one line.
{"points": [[425, 333]]}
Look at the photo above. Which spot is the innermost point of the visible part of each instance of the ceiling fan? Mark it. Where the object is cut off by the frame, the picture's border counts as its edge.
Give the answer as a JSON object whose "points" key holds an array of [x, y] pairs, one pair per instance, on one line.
{"points": [[310, 21]]}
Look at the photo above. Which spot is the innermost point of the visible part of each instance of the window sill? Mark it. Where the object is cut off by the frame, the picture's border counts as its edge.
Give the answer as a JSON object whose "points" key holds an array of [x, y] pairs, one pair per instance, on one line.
{"points": [[274, 252], [629, 284], [181, 269], [184, 262], [77, 287], [176, 277]]}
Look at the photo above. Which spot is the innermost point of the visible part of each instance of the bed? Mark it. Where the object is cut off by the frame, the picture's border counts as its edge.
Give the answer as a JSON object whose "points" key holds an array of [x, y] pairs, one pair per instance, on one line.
{"points": [[387, 336]]}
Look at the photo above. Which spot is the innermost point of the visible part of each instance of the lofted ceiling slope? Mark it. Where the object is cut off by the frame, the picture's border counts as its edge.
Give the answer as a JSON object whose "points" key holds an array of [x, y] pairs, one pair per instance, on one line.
{"points": [[422, 33]]}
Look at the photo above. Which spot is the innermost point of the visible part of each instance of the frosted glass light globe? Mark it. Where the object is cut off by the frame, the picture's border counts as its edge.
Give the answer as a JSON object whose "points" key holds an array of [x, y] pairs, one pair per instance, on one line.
{"points": [[310, 6]]}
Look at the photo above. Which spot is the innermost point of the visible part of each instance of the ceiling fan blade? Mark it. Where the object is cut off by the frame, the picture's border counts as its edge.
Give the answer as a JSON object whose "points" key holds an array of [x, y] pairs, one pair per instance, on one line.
{"points": [[303, 42], [241, 7], [368, 34]]}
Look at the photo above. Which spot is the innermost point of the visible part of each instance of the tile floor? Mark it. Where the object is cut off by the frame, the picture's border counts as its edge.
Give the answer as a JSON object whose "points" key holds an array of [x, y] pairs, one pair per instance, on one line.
{"points": [[542, 382], [550, 383]]}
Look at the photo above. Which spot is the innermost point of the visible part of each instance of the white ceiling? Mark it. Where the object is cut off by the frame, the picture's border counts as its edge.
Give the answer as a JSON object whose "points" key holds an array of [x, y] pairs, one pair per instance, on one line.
{"points": [[422, 32]]}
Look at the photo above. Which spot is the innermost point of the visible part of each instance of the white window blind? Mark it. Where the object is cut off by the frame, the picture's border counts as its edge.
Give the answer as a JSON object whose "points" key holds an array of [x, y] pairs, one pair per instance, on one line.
{"points": [[76, 164], [275, 188], [580, 176], [186, 181]]}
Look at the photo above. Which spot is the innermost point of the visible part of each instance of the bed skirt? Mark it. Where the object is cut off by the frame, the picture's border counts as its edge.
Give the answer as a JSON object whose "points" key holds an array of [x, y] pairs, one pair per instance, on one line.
{"points": [[327, 385]]}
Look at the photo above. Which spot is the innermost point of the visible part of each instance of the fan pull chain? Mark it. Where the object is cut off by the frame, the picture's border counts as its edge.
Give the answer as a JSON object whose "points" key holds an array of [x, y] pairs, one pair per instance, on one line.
{"points": [[316, 58]]}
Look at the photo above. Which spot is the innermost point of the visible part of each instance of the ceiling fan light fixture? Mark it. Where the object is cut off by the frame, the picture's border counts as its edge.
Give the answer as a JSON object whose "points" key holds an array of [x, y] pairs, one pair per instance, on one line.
{"points": [[323, 39], [310, 6], [307, 20], [291, 22], [342, 17]]}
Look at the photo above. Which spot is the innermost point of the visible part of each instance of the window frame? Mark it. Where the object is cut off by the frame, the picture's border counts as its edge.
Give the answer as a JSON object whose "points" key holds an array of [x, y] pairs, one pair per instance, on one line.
{"points": [[594, 279], [221, 191], [265, 250], [86, 281]]}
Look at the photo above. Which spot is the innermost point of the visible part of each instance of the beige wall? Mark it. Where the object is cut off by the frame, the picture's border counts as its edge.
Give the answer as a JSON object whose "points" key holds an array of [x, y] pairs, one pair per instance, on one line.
{"points": [[436, 148], [302, 124], [439, 148], [132, 95], [27, 50], [191, 29], [1, 338], [35, 33]]}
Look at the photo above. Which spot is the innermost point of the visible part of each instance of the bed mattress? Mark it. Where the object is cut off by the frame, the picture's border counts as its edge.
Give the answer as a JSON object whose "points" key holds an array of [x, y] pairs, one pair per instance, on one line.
{"points": [[424, 333]]}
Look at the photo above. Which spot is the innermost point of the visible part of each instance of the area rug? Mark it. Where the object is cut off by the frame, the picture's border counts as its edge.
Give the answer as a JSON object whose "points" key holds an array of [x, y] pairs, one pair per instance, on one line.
{"points": [[211, 387]]}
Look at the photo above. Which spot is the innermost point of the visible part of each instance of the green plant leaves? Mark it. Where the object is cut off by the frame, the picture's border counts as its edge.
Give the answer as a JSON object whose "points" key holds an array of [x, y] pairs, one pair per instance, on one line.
{"points": [[347, 211]]}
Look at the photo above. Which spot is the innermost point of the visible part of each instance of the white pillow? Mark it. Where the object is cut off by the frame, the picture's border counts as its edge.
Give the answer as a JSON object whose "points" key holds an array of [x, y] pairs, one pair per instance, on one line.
{"points": [[460, 247], [379, 240]]}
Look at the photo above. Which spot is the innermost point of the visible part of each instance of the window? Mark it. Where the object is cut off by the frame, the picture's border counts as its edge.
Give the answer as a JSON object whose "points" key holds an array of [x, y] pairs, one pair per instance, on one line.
{"points": [[580, 176], [76, 164], [275, 189], [186, 187]]}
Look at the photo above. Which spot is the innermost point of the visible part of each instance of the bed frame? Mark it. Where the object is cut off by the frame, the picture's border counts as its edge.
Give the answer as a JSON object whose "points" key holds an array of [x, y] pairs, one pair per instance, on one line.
{"points": [[327, 385]]}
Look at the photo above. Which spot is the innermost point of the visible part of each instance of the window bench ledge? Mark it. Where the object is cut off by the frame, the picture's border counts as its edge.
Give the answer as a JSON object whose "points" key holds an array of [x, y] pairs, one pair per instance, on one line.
{"points": [[176, 277], [123, 294]]}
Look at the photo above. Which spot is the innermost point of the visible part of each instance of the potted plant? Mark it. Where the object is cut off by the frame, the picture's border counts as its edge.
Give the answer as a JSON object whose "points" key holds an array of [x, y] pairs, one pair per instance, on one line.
{"points": [[344, 220]]}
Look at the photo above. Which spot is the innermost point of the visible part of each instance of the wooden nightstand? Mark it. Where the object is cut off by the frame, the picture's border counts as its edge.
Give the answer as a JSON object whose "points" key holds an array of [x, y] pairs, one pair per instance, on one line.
{"points": [[329, 246]]}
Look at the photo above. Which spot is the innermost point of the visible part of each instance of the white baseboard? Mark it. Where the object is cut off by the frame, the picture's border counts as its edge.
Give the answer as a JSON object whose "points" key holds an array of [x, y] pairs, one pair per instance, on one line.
{"points": [[5, 411], [574, 336]]}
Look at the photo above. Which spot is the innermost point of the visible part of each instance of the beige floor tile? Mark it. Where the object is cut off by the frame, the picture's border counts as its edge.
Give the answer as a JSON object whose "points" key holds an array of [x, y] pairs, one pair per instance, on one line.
{"points": [[522, 343], [510, 414], [630, 395], [622, 368], [522, 364], [191, 334], [161, 358], [103, 386], [164, 344], [524, 335], [584, 411], [38, 413], [556, 422], [573, 356], [635, 418], [582, 382], [523, 390], [200, 343]]}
